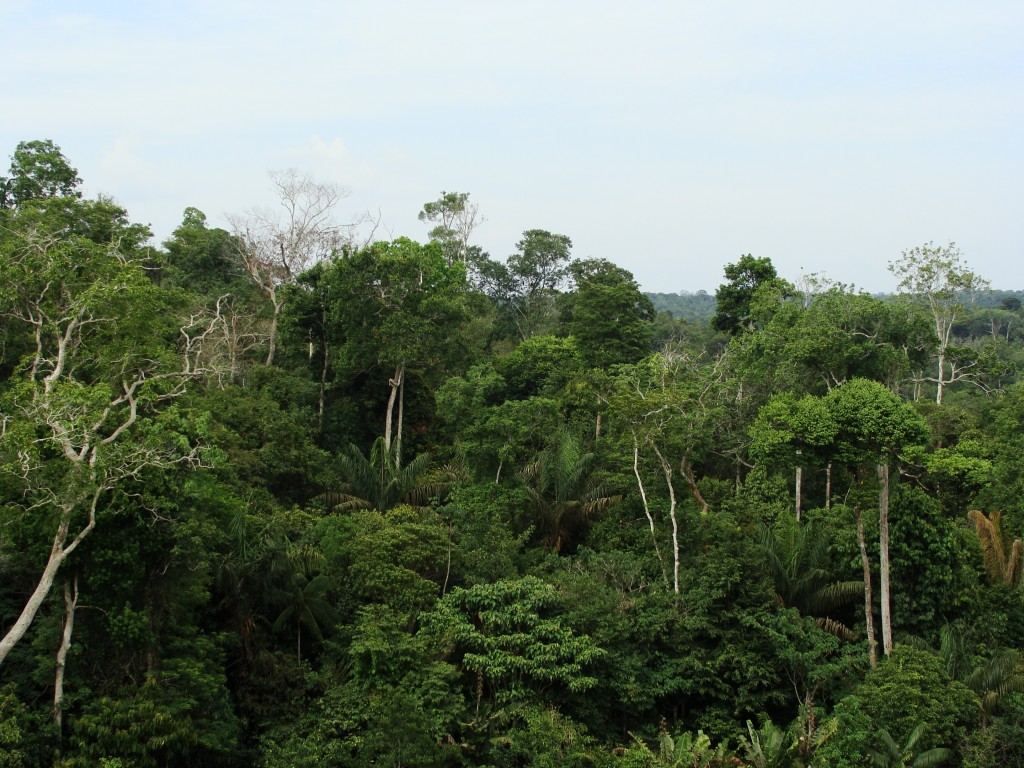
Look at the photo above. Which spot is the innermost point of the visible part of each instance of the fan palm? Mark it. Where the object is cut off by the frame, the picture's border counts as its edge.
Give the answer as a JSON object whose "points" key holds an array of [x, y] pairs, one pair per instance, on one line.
{"points": [[797, 553], [563, 490]]}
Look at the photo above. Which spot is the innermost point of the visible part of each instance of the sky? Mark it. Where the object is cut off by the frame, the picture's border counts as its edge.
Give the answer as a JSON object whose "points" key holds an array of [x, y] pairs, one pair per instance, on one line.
{"points": [[667, 137]]}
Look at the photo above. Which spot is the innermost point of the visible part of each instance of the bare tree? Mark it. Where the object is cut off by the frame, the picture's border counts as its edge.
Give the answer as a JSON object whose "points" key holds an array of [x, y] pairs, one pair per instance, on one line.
{"points": [[277, 245]]}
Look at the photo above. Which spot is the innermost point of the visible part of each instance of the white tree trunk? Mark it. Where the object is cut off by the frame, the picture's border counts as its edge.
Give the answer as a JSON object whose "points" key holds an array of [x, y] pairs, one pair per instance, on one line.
{"points": [[883, 546], [58, 553], [70, 603], [799, 490], [401, 419], [672, 515], [647, 510]]}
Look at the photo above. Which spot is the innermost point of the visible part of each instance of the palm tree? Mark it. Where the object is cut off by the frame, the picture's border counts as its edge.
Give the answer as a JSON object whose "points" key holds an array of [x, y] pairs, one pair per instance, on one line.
{"points": [[1004, 560], [380, 482], [303, 605], [892, 755], [797, 553], [990, 680], [564, 493]]}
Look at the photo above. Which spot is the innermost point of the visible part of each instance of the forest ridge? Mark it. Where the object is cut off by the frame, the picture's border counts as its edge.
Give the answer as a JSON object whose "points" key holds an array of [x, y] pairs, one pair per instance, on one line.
{"points": [[291, 494]]}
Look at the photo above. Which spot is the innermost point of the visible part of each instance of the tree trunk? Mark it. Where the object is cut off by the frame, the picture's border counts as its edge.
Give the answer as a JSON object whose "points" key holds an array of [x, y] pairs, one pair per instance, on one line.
{"points": [[394, 383], [883, 546], [799, 490], [323, 385], [686, 470], [938, 381], [647, 511], [273, 328], [672, 515], [58, 554], [401, 419], [869, 618], [70, 603], [828, 486]]}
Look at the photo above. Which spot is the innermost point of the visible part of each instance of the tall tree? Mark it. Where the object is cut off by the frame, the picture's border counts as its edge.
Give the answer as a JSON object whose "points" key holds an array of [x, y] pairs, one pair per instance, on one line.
{"points": [[401, 305], [937, 278], [874, 427], [38, 171], [665, 406], [102, 362], [607, 314], [734, 298], [526, 286], [455, 218]]}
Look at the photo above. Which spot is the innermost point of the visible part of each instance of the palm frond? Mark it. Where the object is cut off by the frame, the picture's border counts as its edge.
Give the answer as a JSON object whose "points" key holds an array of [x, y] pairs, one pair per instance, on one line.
{"points": [[932, 757], [832, 596], [1003, 559], [836, 628]]}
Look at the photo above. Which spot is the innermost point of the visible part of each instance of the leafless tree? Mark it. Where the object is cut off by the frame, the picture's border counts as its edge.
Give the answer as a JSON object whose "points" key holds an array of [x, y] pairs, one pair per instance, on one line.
{"points": [[277, 245]]}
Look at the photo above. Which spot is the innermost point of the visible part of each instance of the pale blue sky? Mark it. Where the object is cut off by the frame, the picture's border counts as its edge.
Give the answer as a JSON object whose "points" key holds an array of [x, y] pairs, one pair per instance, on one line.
{"points": [[668, 137]]}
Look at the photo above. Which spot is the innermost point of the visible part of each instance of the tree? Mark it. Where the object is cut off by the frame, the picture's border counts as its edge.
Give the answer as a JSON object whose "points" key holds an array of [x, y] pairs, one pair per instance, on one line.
{"points": [[665, 406], [402, 306], [203, 260], [797, 555], [733, 299], [455, 218], [275, 249], [874, 426], [790, 432], [817, 343], [379, 482], [937, 278], [83, 419], [303, 605], [907, 690], [607, 314], [564, 491], [511, 640], [526, 286], [38, 171]]}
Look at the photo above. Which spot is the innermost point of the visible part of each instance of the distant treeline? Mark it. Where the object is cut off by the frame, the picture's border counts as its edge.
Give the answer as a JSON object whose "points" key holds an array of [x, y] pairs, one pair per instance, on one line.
{"points": [[700, 305]]}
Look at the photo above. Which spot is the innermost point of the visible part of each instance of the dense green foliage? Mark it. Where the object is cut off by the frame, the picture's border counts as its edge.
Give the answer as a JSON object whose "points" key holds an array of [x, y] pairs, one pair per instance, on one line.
{"points": [[491, 513]]}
